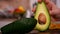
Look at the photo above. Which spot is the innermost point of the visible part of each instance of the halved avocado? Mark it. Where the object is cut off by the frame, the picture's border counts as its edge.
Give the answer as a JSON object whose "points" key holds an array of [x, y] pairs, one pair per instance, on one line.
{"points": [[42, 16]]}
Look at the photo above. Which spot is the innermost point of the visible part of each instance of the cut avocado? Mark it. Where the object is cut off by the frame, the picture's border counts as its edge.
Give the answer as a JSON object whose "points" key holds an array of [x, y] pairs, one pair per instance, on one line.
{"points": [[42, 11]]}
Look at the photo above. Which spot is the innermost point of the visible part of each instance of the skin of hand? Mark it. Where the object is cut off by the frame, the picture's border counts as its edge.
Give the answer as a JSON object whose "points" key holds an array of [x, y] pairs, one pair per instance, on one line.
{"points": [[53, 9]]}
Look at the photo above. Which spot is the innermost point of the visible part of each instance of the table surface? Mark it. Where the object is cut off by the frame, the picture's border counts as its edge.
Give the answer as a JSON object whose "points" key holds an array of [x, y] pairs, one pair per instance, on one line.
{"points": [[45, 32], [51, 31]]}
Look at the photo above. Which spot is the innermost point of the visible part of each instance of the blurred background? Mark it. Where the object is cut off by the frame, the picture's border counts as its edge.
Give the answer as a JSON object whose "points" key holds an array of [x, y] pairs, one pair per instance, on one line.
{"points": [[7, 7]]}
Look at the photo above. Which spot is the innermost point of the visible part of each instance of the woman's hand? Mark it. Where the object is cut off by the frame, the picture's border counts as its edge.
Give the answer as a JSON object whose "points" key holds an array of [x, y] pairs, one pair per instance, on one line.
{"points": [[53, 10]]}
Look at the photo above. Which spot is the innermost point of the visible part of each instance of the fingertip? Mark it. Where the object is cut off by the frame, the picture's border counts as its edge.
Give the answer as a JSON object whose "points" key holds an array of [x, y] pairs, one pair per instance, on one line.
{"points": [[39, 0], [33, 10]]}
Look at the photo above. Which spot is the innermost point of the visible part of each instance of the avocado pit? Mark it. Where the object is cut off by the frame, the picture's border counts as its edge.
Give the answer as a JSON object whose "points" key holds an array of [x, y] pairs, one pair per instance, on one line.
{"points": [[42, 18]]}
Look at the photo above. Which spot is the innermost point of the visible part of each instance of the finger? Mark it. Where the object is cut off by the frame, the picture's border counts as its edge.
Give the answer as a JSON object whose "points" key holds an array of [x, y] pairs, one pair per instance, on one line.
{"points": [[53, 19], [53, 5], [49, 6], [34, 8], [39, 1], [56, 11], [47, 1], [50, 12]]}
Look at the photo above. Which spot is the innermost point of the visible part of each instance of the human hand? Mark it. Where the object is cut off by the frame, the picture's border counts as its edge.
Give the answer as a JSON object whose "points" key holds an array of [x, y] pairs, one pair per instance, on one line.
{"points": [[53, 10]]}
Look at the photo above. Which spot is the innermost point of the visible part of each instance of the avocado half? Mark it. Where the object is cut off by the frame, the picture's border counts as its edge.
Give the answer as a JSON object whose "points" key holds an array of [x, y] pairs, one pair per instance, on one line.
{"points": [[42, 9], [20, 26]]}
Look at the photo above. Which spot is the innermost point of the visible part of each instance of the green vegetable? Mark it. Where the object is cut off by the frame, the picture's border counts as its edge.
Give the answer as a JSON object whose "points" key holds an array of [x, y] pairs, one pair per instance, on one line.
{"points": [[42, 11], [22, 26]]}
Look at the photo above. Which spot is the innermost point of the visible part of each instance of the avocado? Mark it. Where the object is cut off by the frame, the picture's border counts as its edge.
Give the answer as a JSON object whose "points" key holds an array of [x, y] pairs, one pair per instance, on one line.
{"points": [[20, 26], [42, 16]]}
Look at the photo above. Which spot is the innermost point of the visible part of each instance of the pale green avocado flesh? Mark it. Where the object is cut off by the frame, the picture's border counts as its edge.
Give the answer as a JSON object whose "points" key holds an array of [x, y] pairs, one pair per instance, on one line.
{"points": [[41, 8]]}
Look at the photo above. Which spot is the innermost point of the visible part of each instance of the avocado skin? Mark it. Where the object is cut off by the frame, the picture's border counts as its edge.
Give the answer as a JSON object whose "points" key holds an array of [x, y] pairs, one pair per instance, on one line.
{"points": [[43, 9], [22, 26]]}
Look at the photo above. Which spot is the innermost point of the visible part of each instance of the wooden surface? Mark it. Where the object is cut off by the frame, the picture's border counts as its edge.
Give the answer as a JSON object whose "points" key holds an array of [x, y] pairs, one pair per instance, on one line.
{"points": [[45, 32], [53, 29], [54, 26]]}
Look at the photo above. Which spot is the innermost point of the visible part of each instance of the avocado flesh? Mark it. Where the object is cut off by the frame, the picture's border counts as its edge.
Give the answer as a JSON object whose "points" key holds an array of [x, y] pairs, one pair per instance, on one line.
{"points": [[41, 8]]}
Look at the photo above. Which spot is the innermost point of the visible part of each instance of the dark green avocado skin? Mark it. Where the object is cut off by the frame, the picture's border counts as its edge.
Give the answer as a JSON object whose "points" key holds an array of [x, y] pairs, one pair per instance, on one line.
{"points": [[21, 26]]}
